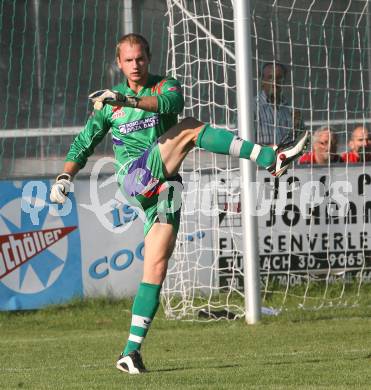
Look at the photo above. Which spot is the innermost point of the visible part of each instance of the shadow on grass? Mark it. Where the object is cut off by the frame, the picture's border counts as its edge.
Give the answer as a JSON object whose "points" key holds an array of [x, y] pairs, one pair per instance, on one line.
{"points": [[194, 368], [310, 361]]}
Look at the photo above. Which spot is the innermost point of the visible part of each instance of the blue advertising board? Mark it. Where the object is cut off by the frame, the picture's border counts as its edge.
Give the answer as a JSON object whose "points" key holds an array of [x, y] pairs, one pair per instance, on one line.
{"points": [[40, 251]]}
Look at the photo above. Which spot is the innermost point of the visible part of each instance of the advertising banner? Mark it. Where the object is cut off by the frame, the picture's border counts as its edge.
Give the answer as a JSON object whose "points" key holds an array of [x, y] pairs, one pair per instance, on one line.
{"points": [[40, 252], [315, 222]]}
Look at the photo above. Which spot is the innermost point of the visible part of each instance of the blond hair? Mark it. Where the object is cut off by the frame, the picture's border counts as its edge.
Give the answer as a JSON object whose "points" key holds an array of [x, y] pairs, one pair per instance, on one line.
{"points": [[133, 39]]}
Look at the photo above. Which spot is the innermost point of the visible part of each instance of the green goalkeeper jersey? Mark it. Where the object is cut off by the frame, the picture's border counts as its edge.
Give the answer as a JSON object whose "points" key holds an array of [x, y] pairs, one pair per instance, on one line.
{"points": [[133, 130]]}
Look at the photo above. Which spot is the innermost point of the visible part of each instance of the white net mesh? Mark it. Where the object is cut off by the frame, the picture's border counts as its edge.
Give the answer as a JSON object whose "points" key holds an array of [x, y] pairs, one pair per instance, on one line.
{"points": [[313, 234]]}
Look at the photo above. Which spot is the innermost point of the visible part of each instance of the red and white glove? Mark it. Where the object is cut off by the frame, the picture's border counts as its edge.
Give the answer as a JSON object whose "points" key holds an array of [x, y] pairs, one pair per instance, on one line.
{"points": [[61, 188]]}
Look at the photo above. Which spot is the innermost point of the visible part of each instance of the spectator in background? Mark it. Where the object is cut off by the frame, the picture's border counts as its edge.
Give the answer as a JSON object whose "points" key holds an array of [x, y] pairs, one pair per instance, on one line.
{"points": [[359, 146], [276, 121], [324, 149]]}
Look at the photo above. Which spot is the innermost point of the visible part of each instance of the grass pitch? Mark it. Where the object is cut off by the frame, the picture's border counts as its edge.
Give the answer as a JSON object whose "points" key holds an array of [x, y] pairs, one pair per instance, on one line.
{"points": [[76, 346]]}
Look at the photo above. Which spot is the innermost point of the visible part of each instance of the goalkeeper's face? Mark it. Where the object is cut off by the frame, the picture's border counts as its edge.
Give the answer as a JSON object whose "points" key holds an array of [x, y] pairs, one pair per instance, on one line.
{"points": [[134, 62]]}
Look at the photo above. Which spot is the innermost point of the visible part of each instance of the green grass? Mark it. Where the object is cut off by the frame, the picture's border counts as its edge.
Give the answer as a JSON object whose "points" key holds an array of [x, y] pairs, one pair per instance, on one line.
{"points": [[75, 347]]}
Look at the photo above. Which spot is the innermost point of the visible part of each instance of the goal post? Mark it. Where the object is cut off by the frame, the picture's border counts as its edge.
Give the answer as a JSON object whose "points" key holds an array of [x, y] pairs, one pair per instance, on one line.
{"points": [[242, 60], [245, 106], [307, 257]]}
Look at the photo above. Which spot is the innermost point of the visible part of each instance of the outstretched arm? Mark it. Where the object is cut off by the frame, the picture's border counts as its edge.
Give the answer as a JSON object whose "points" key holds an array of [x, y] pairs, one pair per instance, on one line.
{"points": [[169, 99]]}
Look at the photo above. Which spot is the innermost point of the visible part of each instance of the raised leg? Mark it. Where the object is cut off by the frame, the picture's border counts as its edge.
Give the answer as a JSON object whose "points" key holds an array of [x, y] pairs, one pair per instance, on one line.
{"points": [[177, 142]]}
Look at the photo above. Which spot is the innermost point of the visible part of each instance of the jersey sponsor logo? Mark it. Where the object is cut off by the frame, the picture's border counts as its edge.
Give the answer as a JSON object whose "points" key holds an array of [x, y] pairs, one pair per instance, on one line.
{"points": [[16, 249], [139, 124], [118, 112]]}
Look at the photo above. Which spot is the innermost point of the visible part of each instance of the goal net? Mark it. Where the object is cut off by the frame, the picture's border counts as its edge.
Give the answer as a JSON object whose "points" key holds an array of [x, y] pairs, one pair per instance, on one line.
{"points": [[314, 223], [53, 54]]}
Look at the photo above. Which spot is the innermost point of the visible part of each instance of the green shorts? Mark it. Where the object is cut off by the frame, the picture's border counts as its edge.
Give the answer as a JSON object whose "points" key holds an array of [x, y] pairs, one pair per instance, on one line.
{"points": [[144, 184]]}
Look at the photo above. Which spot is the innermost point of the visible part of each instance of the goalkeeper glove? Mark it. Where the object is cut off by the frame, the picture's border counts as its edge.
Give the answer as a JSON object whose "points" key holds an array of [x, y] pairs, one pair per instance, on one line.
{"points": [[113, 98], [60, 188]]}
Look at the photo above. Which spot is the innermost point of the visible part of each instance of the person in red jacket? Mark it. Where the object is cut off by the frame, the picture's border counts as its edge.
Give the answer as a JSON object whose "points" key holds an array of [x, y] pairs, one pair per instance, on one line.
{"points": [[359, 146], [324, 149]]}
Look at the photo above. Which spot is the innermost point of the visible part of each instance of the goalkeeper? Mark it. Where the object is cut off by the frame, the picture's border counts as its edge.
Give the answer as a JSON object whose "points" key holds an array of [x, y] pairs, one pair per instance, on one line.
{"points": [[149, 147]]}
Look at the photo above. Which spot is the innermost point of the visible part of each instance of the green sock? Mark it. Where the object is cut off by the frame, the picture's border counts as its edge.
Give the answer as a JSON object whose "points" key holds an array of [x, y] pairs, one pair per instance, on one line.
{"points": [[225, 142], [143, 311]]}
